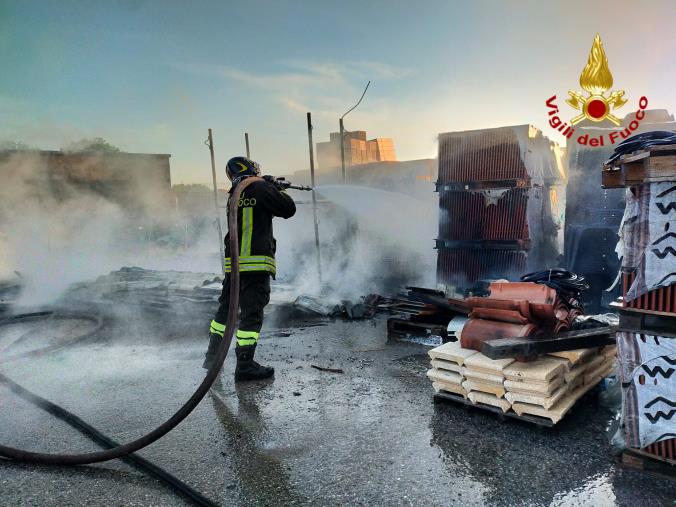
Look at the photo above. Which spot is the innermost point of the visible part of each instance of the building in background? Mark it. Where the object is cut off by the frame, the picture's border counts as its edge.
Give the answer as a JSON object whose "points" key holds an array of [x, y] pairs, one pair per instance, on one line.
{"points": [[139, 183], [358, 150]]}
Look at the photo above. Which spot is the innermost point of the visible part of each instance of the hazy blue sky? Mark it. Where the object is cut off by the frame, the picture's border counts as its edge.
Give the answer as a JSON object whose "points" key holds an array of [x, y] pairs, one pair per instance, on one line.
{"points": [[152, 76]]}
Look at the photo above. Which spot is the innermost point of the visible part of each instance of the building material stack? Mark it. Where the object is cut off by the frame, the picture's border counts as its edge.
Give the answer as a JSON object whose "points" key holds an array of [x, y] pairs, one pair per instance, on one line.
{"points": [[517, 309], [646, 166], [501, 199], [593, 211], [546, 388]]}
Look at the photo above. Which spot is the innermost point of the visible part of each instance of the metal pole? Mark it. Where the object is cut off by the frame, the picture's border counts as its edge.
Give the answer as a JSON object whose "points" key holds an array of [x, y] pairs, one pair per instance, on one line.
{"points": [[246, 140], [342, 149], [342, 131], [210, 144], [314, 197]]}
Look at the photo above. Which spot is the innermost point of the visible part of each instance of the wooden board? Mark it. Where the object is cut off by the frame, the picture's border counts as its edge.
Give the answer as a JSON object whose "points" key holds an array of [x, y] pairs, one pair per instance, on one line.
{"points": [[545, 402], [652, 322], [481, 376], [440, 364], [558, 411], [641, 460], [480, 362], [594, 363], [452, 351], [447, 377], [537, 345], [449, 388], [542, 369], [537, 388], [574, 373], [643, 167], [496, 390], [442, 396], [575, 383], [595, 375], [575, 356], [489, 399]]}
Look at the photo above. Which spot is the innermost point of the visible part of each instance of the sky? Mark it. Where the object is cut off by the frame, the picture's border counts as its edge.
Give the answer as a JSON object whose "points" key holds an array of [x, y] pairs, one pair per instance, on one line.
{"points": [[153, 76]]}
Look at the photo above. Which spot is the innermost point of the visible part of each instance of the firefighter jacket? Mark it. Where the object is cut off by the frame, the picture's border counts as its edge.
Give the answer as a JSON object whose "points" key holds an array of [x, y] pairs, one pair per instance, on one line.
{"points": [[258, 204]]}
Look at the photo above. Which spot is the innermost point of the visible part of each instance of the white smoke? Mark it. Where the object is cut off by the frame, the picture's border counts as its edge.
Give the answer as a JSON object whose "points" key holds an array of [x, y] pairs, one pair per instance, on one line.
{"points": [[371, 241], [55, 234]]}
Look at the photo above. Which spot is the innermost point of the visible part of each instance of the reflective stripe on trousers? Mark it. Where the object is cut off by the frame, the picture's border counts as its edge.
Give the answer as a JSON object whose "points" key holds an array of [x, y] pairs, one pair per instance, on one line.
{"points": [[245, 338]]}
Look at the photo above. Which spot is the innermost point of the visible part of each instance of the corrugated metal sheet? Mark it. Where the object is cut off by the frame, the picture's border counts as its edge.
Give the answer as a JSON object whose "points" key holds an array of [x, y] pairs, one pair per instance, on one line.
{"points": [[460, 266], [481, 155], [664, 449], [468, 216], [662, 299]]}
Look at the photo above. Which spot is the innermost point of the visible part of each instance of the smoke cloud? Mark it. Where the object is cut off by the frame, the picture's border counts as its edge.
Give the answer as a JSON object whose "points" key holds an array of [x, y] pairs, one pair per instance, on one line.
{"points": [[371, 241], [54, 233]]}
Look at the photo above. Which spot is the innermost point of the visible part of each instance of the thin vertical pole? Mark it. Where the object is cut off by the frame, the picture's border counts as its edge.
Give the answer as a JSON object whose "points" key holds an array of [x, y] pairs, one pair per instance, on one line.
{"points": [[246, 141], [210, 144], [342, 149], [314, 197]]}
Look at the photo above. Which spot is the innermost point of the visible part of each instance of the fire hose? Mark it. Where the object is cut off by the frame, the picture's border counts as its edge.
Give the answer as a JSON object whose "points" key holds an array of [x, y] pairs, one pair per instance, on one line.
{"points": [[120, 451]]}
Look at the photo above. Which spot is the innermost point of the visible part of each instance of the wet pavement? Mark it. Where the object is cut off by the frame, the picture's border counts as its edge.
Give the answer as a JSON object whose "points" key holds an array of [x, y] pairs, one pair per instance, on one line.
{"points": [[368, 436]]}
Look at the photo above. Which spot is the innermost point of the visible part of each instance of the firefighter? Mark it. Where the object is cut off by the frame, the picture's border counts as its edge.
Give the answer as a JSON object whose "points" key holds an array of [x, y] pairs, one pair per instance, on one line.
{"points": [[258, 204]]}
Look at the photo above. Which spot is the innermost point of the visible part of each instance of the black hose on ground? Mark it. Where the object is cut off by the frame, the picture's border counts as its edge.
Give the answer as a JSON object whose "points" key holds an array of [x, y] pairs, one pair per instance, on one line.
{"points": [[13, 319], [123, 450], [108, 443]]}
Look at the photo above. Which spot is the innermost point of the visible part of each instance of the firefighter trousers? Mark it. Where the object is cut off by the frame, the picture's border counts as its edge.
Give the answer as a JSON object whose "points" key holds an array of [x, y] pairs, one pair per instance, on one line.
{"points": [[254, 295]]}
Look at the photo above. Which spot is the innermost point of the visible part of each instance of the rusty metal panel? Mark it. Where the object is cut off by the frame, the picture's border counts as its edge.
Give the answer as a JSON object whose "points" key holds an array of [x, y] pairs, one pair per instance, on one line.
{"points": [[665, 449], [481, 155], [462, 266], [470, 216], [662, 299]]}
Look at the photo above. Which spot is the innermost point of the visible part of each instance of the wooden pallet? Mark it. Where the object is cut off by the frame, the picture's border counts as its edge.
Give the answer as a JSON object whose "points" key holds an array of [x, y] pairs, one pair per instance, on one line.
{"points": [[443, 396], [636, 320], [641, 460], [653, 165]]}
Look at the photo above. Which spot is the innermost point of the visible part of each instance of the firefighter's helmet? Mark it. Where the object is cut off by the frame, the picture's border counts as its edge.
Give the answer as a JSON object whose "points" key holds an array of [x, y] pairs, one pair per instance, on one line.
{"points": [[239, 167]]}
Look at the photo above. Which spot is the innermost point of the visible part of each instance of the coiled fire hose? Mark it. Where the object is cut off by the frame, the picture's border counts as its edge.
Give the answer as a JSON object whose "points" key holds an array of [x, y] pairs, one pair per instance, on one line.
{"points": [[201, 391]]}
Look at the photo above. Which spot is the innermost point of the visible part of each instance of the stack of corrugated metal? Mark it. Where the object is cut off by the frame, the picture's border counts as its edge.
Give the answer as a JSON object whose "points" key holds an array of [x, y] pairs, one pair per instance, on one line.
{"points": [[647, 337], [547, 387], [501, 199], [517, 309]]}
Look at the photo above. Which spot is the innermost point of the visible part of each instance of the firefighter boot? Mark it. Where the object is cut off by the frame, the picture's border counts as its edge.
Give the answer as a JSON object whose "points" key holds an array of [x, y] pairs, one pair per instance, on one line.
{"points": [[214, 342], [247, 368]]}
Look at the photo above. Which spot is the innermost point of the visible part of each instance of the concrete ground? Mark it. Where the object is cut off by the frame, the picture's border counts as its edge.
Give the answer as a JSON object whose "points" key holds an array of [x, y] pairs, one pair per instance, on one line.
{"points": [[368, 436]]}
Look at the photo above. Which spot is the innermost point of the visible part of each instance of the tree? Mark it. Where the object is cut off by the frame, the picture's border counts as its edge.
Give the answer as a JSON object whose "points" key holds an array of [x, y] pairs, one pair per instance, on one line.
{"points": [[96, 144]]}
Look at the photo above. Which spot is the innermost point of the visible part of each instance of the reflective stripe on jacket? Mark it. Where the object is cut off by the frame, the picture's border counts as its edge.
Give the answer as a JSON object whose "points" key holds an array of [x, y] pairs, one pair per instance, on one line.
{"points": [[258, 204]]}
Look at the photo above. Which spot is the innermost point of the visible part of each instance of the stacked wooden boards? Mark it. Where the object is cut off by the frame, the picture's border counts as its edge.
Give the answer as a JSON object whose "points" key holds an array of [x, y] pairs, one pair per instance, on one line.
{"points": [[547, 387]]}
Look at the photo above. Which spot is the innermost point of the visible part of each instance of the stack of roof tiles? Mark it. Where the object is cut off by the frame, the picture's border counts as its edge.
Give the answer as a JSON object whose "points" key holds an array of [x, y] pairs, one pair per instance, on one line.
{"points": [[517, 309], [499, 204], [547, 387]]}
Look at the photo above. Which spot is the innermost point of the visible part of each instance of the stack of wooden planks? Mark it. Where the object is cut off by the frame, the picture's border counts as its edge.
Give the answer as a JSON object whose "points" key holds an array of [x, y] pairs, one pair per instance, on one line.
{"points": [[547, 387]]}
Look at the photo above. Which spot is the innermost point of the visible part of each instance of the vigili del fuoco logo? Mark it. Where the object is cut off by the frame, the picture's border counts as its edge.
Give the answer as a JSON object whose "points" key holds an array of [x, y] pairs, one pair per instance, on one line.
{"points": [[597, 103]]}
